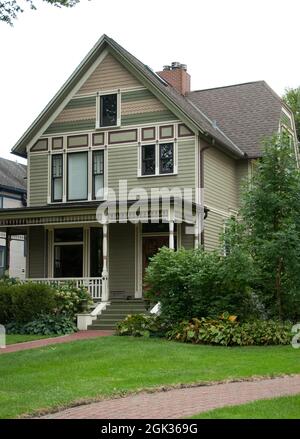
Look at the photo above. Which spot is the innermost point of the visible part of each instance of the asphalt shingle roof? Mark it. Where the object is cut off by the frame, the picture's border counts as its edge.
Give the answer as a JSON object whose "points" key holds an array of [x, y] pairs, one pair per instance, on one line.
{"points": [[12, 174], [245, 112]]}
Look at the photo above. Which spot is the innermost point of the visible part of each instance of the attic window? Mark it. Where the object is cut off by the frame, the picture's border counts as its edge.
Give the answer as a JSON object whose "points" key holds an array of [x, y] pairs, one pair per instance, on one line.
{"points": [[109, 110]]}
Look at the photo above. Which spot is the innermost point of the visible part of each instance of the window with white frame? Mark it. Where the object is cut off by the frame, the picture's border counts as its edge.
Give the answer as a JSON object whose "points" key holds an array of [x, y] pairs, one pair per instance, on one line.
{"points": [[157, 159], [57, 177], [108, 110], [77, 182], [98, 174], [77, 176]]}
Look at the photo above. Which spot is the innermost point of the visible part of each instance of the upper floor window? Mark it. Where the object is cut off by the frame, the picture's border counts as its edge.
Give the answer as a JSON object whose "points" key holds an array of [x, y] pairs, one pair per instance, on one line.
{"points": [[166, 158], [77, 176], [148, 159], [109, 110], [57, 177], [98, 174], [157, 159]]}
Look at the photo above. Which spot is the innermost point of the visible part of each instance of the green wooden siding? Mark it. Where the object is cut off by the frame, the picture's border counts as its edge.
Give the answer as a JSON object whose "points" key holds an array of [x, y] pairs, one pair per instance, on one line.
{"points": [[38, 179], [123, 164], [130, 119], [122, 258], [64, 127], [220, 183], [37, 252], [150, 117], [213, 227], [136, 95], [89, 101]]}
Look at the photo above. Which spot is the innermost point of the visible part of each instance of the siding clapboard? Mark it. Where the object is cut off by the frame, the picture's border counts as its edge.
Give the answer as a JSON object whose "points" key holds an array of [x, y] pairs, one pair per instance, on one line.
{"points": [[122, 258], [110, 74], [220, 183], [123, 164], [37, 252], [38, 179]]}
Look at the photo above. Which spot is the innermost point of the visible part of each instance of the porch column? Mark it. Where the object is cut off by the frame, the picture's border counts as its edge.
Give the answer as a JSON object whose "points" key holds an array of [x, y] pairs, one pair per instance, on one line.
{"points": [[171, 234], [104, 270]]}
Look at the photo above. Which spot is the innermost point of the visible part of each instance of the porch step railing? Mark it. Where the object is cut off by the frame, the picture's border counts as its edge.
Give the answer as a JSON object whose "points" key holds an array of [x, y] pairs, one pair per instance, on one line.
{"points": [[94, 285]]}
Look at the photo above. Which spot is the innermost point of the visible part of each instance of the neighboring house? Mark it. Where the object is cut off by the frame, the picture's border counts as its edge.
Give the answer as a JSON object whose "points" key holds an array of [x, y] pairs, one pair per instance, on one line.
{"points": [[115, 119], [12, 195]]}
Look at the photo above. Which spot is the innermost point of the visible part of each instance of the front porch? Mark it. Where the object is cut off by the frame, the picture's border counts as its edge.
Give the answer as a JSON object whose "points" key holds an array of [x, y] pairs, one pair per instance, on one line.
{"points": [[68, 244]]}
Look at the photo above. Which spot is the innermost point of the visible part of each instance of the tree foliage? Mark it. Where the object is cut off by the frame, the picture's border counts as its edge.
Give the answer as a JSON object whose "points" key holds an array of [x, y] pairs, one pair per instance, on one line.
{"points": [[10, 9], [269, 229], [292, 98]]}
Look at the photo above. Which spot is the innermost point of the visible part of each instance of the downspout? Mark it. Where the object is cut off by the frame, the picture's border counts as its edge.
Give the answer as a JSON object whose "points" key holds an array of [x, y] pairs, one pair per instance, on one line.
{"points": [[201, 169]]}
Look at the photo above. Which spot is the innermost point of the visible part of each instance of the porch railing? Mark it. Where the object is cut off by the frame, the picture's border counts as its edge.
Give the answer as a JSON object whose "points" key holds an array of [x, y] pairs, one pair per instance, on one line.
{"points": [[94, 285]]}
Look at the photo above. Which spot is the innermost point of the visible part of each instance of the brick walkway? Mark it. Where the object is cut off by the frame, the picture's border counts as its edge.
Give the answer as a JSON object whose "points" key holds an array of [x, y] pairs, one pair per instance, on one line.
{"points": [[80, 335], [180, 403]]}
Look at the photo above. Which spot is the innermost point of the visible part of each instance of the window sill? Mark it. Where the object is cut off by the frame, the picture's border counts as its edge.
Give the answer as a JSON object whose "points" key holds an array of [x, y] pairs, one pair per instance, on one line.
{"points": [[112, 127], [158, 175]]}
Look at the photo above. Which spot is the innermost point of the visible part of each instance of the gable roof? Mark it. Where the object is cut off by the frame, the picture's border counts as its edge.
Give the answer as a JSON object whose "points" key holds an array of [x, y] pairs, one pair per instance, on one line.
{"points": [[245, 112], [12, 175], [182, 107]]}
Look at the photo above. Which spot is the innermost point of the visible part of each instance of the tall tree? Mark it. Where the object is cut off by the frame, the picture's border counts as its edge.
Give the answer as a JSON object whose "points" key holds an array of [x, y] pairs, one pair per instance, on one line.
{"points": [[9, 9], [292, 98], [269, 229]]}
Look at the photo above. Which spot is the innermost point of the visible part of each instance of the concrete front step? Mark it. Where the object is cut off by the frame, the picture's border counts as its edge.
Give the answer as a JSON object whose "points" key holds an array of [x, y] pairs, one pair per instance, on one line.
{"points": [[117, 311]]}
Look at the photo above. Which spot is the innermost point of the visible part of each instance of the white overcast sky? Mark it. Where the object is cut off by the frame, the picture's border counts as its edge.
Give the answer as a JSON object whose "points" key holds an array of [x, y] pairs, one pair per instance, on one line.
{"points": [[222, 42]]}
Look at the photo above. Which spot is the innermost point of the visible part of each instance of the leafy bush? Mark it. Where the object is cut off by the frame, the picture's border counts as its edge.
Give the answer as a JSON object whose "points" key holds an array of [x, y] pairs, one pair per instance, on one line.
{"points": [[6, 312], [71, 300], [141, 325], [24, 302], [44, 325], [29, 300], [226, 331], [190, 283]]}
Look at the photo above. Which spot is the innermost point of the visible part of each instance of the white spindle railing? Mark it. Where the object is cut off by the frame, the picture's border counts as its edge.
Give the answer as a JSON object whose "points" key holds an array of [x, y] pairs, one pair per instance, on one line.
{"points": [[93, 284]]}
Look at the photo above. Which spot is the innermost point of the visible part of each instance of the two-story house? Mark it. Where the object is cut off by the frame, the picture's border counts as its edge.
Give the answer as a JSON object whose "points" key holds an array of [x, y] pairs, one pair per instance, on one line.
{"points": [[115, 119], [12, 195]]}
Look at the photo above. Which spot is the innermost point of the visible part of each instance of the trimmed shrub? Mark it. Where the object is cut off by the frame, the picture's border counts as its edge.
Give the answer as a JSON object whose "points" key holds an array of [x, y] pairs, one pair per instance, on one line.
{"points": [[29, 300], [226, 331], [141, 325], [44, 325], [190, 283]]}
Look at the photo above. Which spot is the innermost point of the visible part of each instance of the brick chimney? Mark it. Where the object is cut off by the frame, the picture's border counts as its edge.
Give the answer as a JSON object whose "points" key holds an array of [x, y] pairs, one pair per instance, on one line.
{"points": [[177, 76]]}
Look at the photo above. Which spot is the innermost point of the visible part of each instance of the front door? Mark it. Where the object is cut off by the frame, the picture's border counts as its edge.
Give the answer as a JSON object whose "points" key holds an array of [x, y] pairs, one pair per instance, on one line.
{"points": [[151, 245]]}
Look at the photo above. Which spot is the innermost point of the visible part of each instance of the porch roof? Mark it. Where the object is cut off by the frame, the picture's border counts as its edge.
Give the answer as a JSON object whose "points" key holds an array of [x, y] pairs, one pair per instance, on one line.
{"points": [[66, 213]]}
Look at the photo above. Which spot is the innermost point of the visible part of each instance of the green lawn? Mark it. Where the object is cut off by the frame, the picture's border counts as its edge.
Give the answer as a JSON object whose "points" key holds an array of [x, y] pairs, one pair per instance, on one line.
{"points": [[58, 375], [19, 338], [287, 407]]}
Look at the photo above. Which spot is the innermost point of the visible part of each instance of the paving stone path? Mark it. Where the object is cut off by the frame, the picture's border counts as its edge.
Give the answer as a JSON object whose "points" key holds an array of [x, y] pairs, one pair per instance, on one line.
{"points": [[80, 335], [180, 403]]}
